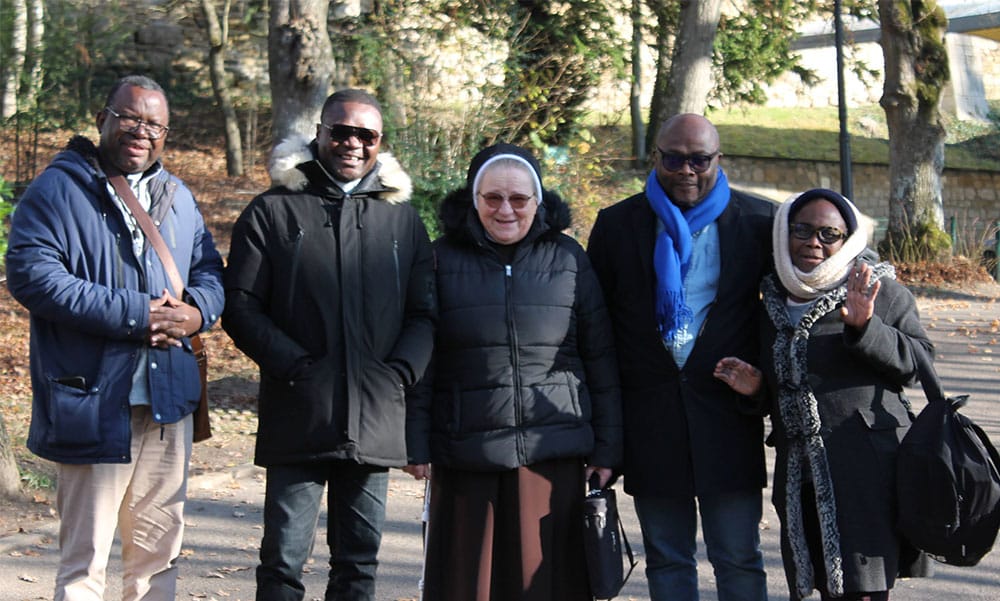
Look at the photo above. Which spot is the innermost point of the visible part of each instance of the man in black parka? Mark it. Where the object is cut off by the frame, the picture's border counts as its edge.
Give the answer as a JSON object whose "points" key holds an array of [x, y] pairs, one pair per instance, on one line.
{"points": [[331, 292], [680, 265]]}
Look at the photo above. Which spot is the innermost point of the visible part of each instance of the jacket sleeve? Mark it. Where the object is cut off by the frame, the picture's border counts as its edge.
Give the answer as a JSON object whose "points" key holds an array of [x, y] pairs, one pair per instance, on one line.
{"points": [[597, 253], [418, 418], [412, 352], [40, 266], [887, 340], [247, 280], [204, 284], [597, 349]]}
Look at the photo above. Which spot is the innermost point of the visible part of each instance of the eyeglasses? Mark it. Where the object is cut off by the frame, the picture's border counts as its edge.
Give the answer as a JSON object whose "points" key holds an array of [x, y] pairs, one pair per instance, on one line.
{"points": [[341, 133], [517, 201], [674, 161], [826, 235], [154, 131]]}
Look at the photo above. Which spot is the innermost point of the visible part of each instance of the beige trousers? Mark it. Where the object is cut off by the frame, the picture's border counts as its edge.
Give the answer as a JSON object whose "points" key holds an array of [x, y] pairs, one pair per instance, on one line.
{"points": [[144, 499]]}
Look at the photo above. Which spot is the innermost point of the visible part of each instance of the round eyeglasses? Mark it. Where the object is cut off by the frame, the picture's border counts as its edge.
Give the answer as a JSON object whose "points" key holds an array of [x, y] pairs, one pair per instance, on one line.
{"points": [[826, 235], [131, 124], [517, 201]]}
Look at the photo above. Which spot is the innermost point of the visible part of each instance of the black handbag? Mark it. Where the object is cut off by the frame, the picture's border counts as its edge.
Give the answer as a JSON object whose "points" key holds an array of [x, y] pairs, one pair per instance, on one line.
{"points": [[603, 542], [947, 479]]}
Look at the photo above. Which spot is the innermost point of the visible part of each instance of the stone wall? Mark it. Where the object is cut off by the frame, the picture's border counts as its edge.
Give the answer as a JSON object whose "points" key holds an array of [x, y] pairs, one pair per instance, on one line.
{"points": [[974, 62], [971, 197], [990, 59]]}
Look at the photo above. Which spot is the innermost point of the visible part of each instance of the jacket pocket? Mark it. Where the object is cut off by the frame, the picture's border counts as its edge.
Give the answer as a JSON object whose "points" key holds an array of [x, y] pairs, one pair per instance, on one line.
{"points": [[577, 395], [886, 424], [75, 414], [382, 415]]}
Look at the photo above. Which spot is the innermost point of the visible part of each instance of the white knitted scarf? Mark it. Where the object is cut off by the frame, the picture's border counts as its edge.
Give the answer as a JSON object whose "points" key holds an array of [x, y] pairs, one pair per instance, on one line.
{"points": [[827, 275]]}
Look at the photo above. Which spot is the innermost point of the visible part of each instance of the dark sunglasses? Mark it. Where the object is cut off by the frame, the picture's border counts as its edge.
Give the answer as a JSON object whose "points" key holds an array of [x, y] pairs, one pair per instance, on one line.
{"points": [[341, 133], [826, 235], [675, 161], [517, 201]]}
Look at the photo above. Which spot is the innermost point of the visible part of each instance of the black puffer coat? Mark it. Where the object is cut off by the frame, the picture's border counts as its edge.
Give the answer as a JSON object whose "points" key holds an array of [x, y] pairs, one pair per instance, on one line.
{"points": [[524, 368]]}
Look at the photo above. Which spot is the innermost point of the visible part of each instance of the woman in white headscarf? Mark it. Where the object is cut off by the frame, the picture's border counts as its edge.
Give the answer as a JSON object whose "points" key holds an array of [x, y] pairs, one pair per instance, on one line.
{"points": [[837, 353]]}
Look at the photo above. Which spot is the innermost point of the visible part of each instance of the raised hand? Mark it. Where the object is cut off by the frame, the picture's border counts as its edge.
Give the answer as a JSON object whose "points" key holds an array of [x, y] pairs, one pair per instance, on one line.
{"points": [[859, 306]]}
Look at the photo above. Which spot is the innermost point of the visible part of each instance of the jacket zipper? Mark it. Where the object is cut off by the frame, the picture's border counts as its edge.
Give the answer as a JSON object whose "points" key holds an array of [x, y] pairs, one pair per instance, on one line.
{"points": [[295, 265], [515, 360], [399, 286], [171, 230], [119, 263]]}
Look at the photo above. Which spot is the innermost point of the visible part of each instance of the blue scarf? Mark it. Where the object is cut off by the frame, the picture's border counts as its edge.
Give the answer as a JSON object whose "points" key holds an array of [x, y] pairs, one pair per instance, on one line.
{"points": [[673, 248]]}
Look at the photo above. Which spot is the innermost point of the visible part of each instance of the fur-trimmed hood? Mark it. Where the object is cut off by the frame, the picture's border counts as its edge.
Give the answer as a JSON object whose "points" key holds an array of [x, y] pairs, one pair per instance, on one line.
{"points": [[287, 168], [85, 147], [460, 220]]}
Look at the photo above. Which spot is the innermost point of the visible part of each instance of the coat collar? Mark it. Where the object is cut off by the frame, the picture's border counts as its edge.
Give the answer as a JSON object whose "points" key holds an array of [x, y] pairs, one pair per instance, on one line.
{"points": [[288, 168]]}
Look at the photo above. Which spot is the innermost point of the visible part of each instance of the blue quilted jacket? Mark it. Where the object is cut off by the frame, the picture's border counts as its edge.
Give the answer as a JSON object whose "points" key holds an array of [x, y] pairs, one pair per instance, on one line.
{"points": [[70, 263]]}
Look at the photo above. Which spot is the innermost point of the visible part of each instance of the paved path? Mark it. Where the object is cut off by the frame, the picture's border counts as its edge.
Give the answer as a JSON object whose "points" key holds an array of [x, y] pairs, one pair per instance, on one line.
{"points": [[224, 511]]}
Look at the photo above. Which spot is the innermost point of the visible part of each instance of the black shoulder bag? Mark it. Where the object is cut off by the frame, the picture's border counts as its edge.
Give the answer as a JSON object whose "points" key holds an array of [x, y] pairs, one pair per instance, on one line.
{"points": [[947, 479]]}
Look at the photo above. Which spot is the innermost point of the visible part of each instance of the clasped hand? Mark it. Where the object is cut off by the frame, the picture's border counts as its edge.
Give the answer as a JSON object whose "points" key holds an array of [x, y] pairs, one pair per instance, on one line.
{"points": [[170, 320]]}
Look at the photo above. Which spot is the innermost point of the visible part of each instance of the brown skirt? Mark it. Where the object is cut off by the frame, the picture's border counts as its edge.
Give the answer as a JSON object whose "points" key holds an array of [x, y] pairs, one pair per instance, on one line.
{"points": [[506, 536]]}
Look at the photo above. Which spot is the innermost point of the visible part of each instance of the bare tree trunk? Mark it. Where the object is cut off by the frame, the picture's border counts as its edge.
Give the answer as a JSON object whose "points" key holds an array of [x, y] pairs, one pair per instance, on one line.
{"points": [[15, 64], [35, 53], [635, 95], [218, 35], [916, 71], [691, 66], [300, 60], [666, 23], [10, 479]]}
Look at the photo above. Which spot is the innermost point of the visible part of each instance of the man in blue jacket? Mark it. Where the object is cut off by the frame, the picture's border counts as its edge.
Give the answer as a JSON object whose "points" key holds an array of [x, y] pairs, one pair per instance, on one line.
{"points": [[113, 376]]}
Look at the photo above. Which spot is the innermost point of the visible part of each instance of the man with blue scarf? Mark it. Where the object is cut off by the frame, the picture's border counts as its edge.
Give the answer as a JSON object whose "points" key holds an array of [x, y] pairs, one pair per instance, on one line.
{"points": [[680, 265]]}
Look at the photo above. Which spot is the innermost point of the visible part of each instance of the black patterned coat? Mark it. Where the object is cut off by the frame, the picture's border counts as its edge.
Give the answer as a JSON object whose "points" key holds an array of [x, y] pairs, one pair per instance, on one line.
{"points": [[857, 378]]}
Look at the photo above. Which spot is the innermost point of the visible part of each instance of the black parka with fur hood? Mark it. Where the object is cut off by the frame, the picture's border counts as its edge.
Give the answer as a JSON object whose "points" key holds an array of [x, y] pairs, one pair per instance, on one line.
{"points": [[524, 368], [332, 295]]}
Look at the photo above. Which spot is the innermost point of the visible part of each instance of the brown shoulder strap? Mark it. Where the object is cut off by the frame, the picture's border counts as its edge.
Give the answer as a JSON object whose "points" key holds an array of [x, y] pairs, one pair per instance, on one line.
{"points": [[149, 229]]}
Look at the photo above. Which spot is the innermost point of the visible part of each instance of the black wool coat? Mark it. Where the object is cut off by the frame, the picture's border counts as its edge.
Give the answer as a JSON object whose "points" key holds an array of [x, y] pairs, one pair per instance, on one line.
{"points": [[686, 433], [858, 379]]}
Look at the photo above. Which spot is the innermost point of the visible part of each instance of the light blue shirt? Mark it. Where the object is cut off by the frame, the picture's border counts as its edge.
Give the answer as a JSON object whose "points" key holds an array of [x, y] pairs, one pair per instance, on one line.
{"points": [[139, 183], [797, 310], [701, 283]]}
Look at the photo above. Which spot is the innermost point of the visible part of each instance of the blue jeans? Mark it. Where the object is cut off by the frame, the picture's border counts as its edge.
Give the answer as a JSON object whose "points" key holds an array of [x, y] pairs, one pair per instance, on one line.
{"points": [[730, 525], [356, 512]]}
